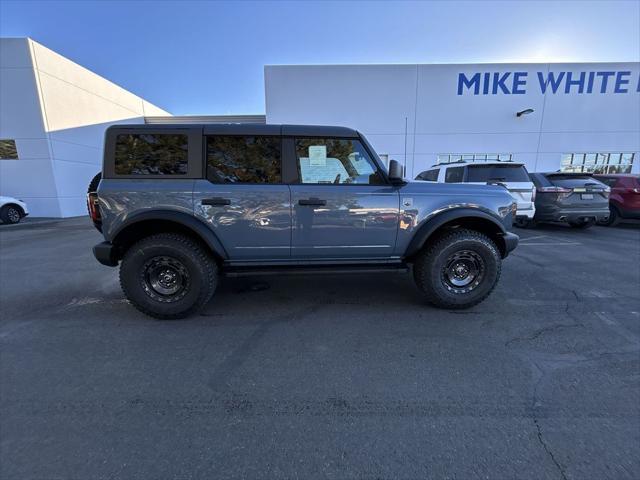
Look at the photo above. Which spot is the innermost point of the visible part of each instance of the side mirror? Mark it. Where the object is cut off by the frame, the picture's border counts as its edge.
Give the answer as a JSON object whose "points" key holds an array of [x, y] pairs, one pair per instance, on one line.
{"points": [[395, 172]]}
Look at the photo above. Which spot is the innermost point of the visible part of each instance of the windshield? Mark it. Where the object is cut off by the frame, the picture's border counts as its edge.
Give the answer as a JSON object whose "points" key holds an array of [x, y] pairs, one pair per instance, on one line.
{"points": [[498, 173]]}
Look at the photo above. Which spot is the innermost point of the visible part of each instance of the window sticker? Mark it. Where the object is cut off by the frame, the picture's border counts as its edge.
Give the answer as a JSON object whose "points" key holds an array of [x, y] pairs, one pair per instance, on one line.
{"points": [[317, 155]]}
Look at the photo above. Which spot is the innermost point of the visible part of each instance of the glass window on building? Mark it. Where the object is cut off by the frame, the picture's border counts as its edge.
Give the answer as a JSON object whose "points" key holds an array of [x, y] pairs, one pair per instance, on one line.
{"points": [[8, 150], [597, 162]]}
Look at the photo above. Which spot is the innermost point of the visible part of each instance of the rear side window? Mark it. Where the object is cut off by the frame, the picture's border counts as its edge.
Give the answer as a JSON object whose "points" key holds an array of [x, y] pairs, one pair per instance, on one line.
{"points": [[240, 159], [429, 175], [151, 154], [454, 175], [498, 173]]}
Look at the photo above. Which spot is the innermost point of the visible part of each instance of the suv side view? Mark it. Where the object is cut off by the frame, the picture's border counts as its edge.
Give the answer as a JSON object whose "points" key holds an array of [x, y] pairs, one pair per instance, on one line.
{"points": [[181, 205], [624, 201], [513, 176]]}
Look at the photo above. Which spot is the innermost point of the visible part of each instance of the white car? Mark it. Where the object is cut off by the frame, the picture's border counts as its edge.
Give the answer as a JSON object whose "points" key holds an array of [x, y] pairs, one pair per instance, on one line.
{"points": [[12, 210], [513, 176]]}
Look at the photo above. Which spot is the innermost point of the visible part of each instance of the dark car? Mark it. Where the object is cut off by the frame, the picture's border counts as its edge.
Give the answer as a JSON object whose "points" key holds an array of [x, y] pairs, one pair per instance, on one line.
{"points": [[624, 201], [575, 198]]}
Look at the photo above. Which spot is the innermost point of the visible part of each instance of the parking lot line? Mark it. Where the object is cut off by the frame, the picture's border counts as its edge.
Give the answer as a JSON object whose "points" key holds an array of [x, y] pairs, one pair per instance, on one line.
{"points": [[548, 243], [533, 238]]}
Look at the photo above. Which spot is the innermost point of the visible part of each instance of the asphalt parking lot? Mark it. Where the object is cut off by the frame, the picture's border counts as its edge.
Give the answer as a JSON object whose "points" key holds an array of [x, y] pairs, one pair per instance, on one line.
{"points": [[323, 376]]}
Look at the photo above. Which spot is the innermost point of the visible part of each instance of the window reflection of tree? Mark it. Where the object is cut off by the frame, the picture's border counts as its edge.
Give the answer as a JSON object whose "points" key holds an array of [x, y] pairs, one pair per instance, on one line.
{"points": [[151, 154], [243, 159]]}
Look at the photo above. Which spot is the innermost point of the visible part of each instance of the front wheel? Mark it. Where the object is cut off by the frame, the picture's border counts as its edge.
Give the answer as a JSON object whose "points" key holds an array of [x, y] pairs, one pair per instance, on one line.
{"points": [[168, 275], [10, 214], [459, 270]]}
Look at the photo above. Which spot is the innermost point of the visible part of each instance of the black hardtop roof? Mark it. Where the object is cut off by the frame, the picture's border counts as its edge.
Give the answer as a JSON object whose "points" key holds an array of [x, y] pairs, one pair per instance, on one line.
{"points": [[248, 129]]}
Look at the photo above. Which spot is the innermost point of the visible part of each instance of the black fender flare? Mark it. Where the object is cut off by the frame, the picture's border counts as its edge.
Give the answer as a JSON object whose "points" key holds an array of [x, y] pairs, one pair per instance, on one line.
{"points": [[432, 224], [184, 219]]}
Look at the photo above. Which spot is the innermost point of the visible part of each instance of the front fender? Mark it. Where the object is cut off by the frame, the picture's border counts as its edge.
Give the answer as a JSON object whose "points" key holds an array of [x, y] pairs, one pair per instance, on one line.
{"points": [[432, 224]]}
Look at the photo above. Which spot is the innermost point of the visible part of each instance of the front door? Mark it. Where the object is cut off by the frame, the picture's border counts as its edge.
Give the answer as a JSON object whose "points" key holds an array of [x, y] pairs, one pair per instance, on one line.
{"points": [[243, 199], [342, 206]]}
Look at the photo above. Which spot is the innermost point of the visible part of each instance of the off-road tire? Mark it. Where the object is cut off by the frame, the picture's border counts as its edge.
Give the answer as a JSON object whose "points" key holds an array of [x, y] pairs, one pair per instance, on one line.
{"points": [[199, 266], [11, 214], [431, 262]]}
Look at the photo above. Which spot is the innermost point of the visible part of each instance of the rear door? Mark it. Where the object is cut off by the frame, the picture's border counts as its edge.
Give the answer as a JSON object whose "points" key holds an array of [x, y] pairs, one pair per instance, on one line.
{"points": [[625, 191], [514, 177], [342, 205], [243, 198]]}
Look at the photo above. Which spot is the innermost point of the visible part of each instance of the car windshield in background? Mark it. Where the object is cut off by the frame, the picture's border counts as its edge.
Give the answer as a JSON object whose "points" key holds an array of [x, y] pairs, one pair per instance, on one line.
{"points": [[571, 181], [498, 173]]}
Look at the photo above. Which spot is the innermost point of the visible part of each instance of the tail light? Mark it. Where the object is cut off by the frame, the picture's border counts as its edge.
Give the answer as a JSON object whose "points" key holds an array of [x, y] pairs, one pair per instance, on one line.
{"points": [[554, 190], [94, 208], [560, 191], [533, 194]]}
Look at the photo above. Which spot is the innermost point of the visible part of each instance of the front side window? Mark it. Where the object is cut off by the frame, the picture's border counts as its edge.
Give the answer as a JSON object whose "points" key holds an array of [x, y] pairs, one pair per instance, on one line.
{"points": [[335, 161], [497, 173], [454, 175], [151, 154], [429, 175], [240, 159], [8, 150]]}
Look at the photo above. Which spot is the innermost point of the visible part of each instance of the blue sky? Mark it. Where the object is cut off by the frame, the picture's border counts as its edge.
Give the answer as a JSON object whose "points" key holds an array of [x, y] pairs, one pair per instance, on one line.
{"points": [[207, 57]]}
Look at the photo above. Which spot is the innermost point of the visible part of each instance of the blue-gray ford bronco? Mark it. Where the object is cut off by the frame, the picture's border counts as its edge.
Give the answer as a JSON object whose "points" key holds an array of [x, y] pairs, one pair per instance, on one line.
{"points": [[181, 205]]}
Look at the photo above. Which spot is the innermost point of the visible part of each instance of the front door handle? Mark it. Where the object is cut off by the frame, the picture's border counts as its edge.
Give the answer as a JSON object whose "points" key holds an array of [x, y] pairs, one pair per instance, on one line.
{"points": [[216, 201], [315, 202]]}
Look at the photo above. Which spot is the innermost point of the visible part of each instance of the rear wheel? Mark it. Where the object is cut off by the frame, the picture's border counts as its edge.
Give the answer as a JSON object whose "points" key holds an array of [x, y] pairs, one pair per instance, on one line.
{"points": [[168, 276], [459, 270], [525, 223], [614, 217], [11, 214], [582, 224]]}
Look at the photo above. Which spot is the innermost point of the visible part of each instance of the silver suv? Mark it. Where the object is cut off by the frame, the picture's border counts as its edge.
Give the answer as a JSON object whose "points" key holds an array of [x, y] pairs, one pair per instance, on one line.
{"points": [[181, 205]]}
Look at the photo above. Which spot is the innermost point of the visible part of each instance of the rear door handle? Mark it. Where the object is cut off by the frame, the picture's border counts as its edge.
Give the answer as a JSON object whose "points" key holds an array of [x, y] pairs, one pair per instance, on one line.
{"points": [[216, 201], [314, 202]]}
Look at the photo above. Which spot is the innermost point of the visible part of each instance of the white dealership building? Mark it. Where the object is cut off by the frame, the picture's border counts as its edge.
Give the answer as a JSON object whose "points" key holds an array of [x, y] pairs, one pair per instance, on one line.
{"points": [[53, 114], [550, 116], [579, 116]]}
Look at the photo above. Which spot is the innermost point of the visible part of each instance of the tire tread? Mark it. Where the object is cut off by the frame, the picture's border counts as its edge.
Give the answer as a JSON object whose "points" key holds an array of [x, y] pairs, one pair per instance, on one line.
{"points": [[189, 245], [424, 261]]}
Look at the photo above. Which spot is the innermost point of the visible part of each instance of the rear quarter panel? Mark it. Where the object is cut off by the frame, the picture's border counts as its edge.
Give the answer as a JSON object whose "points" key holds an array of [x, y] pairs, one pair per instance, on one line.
{"points": [[121, 199]]}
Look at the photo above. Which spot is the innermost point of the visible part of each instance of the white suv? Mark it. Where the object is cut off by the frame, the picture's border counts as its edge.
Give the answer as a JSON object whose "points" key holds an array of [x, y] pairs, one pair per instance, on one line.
{"points": [[513, 176], [12, 210]]}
